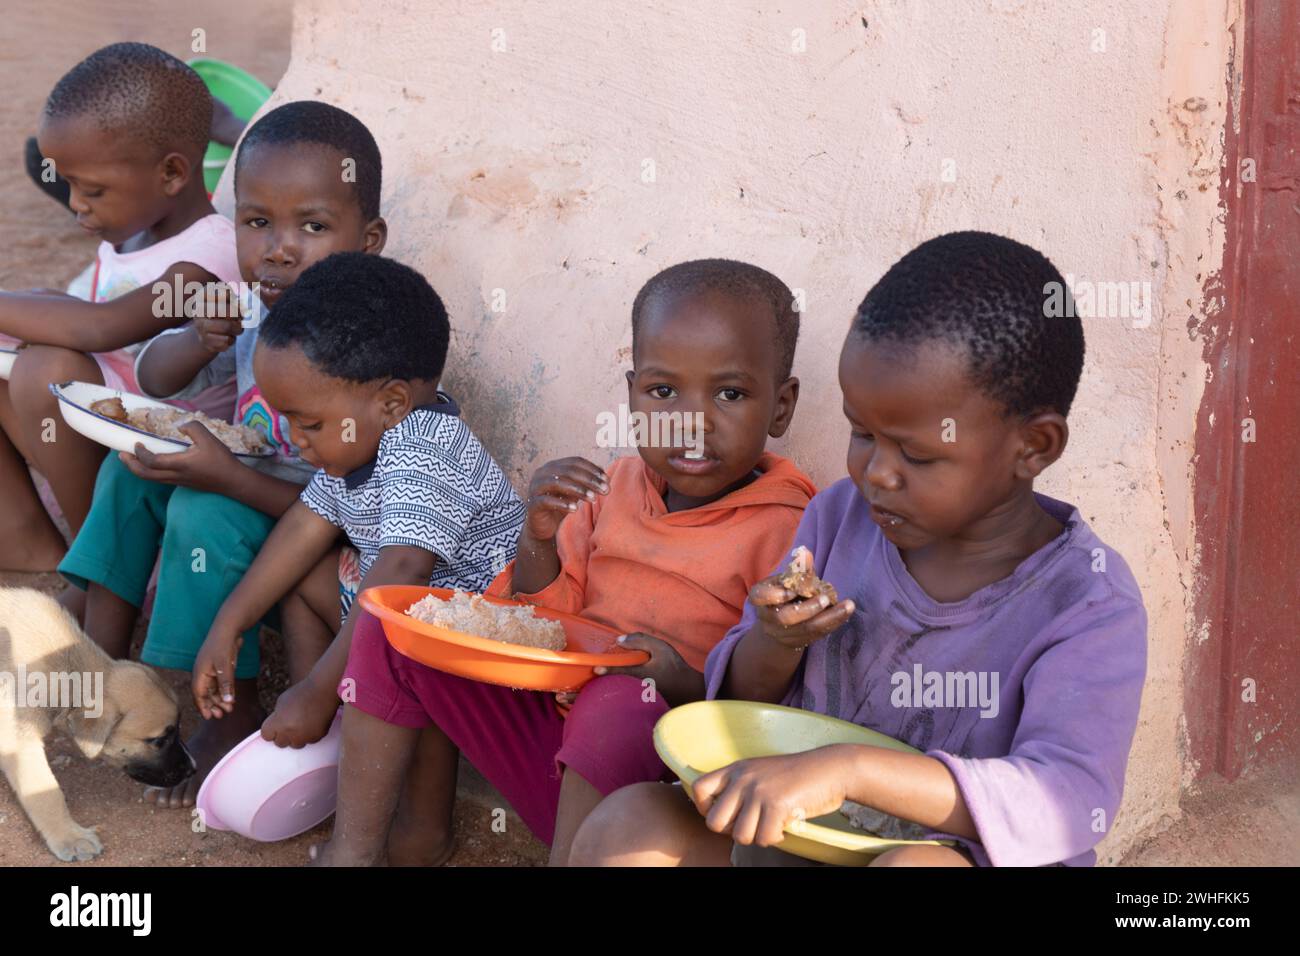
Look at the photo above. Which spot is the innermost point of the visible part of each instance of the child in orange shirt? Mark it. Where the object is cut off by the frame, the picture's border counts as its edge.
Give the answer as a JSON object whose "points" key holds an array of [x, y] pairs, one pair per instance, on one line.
{"points": [[663, 546]]}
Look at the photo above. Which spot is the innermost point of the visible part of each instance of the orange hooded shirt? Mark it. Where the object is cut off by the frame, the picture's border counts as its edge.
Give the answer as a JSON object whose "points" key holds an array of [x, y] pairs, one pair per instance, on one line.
{"points": [[625, 561]]}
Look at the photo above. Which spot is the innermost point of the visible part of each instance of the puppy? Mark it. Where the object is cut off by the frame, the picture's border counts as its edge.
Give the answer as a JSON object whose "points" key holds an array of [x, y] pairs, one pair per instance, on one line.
{"points": [[120, 712]]}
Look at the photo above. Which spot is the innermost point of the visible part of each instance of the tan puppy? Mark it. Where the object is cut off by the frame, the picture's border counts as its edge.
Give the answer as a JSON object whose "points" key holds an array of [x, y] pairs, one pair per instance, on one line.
{"points": [[117, 711]]}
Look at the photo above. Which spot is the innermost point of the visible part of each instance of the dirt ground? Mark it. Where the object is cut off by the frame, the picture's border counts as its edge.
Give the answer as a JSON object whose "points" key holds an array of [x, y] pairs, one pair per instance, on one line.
{"points": [[40, 246], [1254, 821]]}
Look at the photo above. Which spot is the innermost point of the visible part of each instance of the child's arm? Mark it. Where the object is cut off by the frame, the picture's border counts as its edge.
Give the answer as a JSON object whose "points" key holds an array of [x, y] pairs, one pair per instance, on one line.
{"points": [[208, 465], [554, 493], [170, 363], [298, 540], [768, 655], [97, 326], [754, 800], [1078, 713], [303, 712]]}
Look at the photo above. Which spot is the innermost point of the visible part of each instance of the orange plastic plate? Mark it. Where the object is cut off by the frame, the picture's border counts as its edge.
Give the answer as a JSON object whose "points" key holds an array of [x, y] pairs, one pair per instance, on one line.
{"points": [[493, 662]]}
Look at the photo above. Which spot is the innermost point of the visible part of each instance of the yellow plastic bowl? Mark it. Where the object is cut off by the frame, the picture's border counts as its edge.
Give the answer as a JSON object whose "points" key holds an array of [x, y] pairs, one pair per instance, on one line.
{"points": [[698, 738]]}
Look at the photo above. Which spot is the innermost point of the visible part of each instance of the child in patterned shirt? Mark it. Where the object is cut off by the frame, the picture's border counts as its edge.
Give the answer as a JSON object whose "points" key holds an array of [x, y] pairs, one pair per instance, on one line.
{"points": [[351, 356]]}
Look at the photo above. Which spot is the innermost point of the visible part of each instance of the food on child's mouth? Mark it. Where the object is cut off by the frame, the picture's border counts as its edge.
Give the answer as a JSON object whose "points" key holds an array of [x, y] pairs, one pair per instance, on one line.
{"points": [[509, 624], [166, 422], [800, 578], [881, 824]]}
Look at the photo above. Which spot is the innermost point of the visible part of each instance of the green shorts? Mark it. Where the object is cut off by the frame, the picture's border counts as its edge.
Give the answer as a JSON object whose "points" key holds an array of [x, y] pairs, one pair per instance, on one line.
{"points": [[207, 541]]}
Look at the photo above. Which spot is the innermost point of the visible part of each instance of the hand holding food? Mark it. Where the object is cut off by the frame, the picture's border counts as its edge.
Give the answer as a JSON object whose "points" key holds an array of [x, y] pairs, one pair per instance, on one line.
{"points": [[555, 491], [218, 322], [795, 607]]}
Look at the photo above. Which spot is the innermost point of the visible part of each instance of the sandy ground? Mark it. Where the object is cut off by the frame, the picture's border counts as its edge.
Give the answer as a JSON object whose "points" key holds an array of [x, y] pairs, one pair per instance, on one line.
{"points": [[40, 246], [1254, 821]]}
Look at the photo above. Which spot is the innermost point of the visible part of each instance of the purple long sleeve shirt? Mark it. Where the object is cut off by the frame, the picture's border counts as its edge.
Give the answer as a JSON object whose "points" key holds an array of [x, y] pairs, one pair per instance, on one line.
{"points": [[1027, 690]]}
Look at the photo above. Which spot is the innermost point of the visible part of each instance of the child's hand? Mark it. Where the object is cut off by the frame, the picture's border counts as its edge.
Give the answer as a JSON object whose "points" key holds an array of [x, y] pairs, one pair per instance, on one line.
{"points": [[213, 680], [794, 623], [207, 465], [555, 491], [302, 715], [218, 321], [755, 800], [677, 681]]}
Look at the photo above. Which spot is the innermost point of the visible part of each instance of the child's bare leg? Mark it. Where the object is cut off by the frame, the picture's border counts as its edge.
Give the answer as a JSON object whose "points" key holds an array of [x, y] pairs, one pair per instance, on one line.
{"points": [[648, 824], [310, 617], [70, 462], [577, 799], [373, 761], [29, 541], [923, 856], [109, 620], [73, 600], [212, 741], [422, 833]]}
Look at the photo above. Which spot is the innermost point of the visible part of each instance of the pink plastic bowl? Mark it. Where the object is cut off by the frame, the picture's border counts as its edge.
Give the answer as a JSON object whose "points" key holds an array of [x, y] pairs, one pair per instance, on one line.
{"points": [[269, 793]]}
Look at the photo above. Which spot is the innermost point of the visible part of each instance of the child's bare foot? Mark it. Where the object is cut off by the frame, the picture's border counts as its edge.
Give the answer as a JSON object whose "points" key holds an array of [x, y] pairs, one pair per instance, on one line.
{"points": [[213, 740], [408, 846]]}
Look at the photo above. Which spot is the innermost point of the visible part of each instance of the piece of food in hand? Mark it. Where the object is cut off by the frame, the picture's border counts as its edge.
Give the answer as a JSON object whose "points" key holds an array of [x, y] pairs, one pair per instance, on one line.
{"points": [[800, 578], [167, 422], [881, 824], [509, 624]]}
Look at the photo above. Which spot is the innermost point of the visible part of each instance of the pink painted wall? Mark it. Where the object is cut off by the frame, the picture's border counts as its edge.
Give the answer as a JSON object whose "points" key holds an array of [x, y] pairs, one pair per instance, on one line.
{"points": [[517, 136]]}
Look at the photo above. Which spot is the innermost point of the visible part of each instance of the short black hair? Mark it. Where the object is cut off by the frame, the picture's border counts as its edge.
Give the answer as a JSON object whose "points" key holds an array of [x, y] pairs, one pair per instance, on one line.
{"points": [[362, 317], [309, 121], [140, 91], [988, 295], [729, 277]]}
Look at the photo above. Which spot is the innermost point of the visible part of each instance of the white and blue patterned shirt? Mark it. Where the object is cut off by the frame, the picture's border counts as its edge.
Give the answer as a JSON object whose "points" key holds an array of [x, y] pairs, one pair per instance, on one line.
{"points": [[431, 486]]}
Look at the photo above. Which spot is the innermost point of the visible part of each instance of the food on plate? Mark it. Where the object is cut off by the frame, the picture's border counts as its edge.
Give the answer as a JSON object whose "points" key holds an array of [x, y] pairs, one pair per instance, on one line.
{"points": [[881, 824], [470, 614], [166, 422], [800, 578]]}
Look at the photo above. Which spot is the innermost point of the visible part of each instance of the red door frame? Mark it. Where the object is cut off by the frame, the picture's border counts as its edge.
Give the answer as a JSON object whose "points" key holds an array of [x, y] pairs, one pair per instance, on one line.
{"points": [[1247, 498]]}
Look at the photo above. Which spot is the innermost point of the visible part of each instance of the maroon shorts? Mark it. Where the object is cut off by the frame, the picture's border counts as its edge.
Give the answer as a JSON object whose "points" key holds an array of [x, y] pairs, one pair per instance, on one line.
{"points": [[516, 738]]}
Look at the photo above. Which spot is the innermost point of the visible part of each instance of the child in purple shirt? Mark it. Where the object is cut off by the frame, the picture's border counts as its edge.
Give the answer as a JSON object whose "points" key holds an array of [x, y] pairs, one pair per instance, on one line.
{"points": [[980, 622]]}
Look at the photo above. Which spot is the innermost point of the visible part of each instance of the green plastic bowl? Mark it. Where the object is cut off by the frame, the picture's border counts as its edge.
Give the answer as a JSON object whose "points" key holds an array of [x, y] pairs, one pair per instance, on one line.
{"points": [[238, 89]]}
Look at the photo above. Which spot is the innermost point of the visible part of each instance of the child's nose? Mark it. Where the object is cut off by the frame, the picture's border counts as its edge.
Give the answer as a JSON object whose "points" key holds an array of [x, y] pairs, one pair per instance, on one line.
{"points": [[882, 474], [281, 251]]}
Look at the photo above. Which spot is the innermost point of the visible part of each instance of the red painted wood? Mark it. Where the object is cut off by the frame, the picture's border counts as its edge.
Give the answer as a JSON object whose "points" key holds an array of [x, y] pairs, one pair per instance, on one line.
{"points": [[1247, 498]]}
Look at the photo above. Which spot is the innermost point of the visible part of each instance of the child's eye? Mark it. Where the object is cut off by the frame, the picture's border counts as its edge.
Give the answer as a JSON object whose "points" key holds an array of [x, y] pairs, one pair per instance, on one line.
{"points": [[917, 461], [257, 222], [731, 394], [663, 391], [310, 428], [314, 227], [861, 436]]}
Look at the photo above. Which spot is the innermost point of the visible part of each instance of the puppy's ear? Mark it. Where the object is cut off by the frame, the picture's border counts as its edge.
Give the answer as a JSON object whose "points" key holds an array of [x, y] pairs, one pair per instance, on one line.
{"points": [[91, 733]]}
